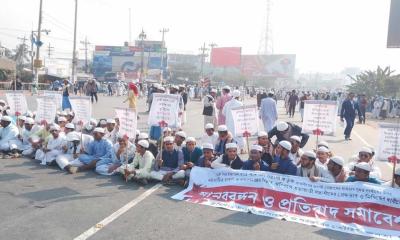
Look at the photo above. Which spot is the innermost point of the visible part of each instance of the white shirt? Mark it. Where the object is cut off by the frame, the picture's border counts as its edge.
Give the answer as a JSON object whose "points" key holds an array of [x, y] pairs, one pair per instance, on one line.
{"points": [[213, 139], [56, 144]]}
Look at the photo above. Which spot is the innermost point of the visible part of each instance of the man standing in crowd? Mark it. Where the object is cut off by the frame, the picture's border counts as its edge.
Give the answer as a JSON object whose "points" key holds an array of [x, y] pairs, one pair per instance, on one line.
{"points": [[293, 100], [363, 103], [209, 111], [92, 89], [268, 112], [221, 101], [348, 113]]}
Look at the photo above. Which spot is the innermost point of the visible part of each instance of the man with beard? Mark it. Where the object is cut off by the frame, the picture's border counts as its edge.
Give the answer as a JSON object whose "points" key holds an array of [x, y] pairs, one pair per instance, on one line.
{"points": [[314, 172]]}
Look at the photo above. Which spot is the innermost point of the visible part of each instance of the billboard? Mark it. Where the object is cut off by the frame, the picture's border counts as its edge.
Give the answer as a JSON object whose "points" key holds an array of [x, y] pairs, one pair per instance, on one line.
{"points": [[393, 40], [278, 66], [126, 59], [226, 57]]}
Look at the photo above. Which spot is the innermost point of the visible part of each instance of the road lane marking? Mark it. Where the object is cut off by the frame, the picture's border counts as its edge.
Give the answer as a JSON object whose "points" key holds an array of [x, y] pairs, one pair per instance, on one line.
{"points": [[98, 226]]}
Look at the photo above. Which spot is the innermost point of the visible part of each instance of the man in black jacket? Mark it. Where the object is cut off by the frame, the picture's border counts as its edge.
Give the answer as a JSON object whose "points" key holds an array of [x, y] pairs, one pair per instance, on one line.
{"points": [[284, 130], [348, 113]]}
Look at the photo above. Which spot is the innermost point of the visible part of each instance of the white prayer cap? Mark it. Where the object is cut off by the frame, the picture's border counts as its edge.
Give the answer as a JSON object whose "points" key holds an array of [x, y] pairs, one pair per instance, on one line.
{"points": [[169, 139], [161, 88], [62, 119], [103, 122], [144, 143], [310, 154], [397, 172], [73, 136], [28, 114], [8, 111], [231, 145], [222, 128], [181, 134], [256, 147], [282, 126], [121, 135], [88, 127], [323, 149], [226, 88], [63, 113], [29, 121], [55, 127], [99, 130], [296, 138], [174, 87], [143, 135], [338, 160], [111, 121], [286, 145], [213, 90], [323, 144], [94, 121], [23, 118], [271, 92], [262, 134], [6, 118], [209, 126], [236, 93], [190, 139], [364, 166], [2, 101], [167, 129], [70, 113], [366, 150], [208, 146], [35, 138], [137, 131], [70, 126]]}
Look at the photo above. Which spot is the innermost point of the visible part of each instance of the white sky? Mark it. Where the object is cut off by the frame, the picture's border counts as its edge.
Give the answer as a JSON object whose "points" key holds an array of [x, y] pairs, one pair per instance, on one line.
{"points": [[326, 35]]}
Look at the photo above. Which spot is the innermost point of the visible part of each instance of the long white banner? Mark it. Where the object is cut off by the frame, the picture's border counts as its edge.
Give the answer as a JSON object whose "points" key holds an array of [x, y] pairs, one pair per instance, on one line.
{"points": [[356, 208]]}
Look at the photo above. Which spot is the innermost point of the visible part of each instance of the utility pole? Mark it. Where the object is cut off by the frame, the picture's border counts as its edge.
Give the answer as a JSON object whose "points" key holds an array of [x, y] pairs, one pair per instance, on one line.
{"points": [[38, 44], [142, 37], [130, 27], [49, 50], [32, 42], [74, 60], [212, 46], [86, 43], [163, 31], [203, 50]]}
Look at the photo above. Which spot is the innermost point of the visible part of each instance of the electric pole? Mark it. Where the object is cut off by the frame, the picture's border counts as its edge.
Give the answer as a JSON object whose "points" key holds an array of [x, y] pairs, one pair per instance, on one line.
{"points": [[203, 50], [32, 43], [74, 60], [86, 43], [142, 37], [130, 27], [38, 44], [49, 50], [163, 31]]}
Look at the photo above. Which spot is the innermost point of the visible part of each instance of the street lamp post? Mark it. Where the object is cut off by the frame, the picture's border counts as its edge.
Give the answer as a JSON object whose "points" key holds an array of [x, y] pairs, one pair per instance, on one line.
{"points": [[142, 37]]}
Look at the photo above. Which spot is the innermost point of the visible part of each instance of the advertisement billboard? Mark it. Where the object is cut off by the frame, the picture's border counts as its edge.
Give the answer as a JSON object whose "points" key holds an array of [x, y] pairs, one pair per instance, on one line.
{"points": [[279, 65], [226, 57]]}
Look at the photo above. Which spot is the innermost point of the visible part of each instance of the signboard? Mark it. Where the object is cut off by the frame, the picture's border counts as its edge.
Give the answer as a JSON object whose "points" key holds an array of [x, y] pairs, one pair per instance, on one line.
{"points": [[164, 110], [55, 96], [127, 122], [82, 108], [389, 141], [276, 66], [355, 208], [226, 57], [245, 120], [46, 109], [393, 39], [17, 102], [319, 117]]}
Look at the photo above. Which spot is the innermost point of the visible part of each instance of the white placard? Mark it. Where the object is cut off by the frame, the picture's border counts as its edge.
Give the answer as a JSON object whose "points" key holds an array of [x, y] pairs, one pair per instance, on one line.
{"points": [[82, 108], [46, 109], [245, 120], [127, 121], [389, 141], [57, 97], [17, 102], [164, 110], [320, 117]]}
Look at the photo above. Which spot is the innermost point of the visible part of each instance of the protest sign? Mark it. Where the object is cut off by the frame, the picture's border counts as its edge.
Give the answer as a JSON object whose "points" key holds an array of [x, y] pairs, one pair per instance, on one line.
{"points": [[389, 141], [245, 120], [82, 108], [164, 110], [127, 121], [356, 208], [56, 97], [46, 109], [17, 102], [319, 117]]}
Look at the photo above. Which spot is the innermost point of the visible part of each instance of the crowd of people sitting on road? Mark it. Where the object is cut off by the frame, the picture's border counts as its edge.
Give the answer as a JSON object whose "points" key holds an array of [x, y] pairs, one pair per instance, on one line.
{"points": [[98, 146]]}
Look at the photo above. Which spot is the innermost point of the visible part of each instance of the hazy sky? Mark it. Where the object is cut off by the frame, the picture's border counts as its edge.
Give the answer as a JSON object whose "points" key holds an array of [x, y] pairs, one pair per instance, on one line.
{"points": [[326, 35]]}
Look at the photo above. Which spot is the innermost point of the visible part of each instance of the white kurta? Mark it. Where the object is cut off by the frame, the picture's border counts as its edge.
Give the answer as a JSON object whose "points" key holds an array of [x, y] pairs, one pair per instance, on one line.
{"points": [[55, 147], [268, 113]]}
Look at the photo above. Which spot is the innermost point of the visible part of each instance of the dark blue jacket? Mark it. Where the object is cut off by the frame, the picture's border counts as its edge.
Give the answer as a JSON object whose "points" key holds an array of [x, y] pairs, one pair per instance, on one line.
{"points": [[348, 110]]}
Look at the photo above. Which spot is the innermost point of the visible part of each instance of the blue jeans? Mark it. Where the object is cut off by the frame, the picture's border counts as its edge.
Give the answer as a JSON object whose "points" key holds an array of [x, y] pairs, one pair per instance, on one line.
{"points": [[349, 127]]}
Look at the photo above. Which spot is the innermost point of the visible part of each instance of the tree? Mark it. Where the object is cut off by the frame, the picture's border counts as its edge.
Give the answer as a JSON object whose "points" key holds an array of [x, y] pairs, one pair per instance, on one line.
{"points": [[379, 82]]}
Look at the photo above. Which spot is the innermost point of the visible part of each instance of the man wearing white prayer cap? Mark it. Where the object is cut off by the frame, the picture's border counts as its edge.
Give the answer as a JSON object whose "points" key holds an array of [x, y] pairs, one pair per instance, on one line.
{"points": [[296, 151], [282, 163], [308, 168], [336, 168], [255, 162], [111, 132], [362, 174], [210, 136], [284, 130], [180, 137], [230, 159], [224, 138], [208, 155], [365, 155], [323, 156], [268, 112], [53, 148], [265, 143], [8, 134], [396, 178], [70, 150]]}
